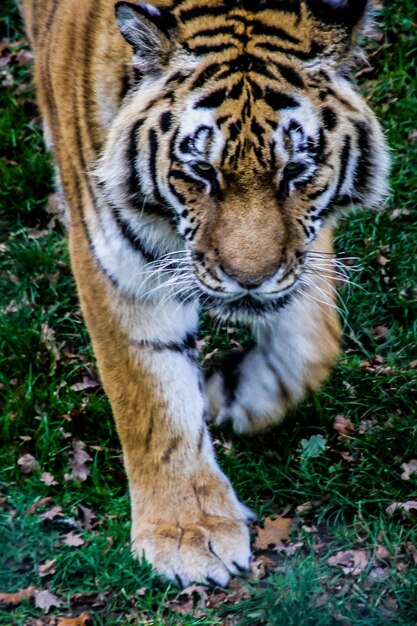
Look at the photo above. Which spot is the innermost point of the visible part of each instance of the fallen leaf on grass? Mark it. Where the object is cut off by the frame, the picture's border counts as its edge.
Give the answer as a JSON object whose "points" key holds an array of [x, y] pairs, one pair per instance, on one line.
{"points": [[411, 550], [313, 447], [47, 568], [87, 517], [51, 513], [382, 260], [48, 479], [350, 561], [80, 620], [36, 505], [273, 533], [79, 460], [382, 553], [343, 426], [260, 567], [407, 507], [33, 233], [291, 548], [45, 599], [28, 464], [87, 383], [379, 331], [409, 468], [189, 600], [73, 540], [302, 509], [16, 598]]}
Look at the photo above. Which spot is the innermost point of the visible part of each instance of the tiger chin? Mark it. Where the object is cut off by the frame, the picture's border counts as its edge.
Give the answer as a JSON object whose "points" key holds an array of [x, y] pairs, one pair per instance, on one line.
{"points": [[205, 149]]}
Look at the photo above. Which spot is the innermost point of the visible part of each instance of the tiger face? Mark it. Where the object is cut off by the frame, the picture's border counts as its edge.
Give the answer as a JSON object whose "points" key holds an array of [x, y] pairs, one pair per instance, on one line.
{"points": [[245, 133]]}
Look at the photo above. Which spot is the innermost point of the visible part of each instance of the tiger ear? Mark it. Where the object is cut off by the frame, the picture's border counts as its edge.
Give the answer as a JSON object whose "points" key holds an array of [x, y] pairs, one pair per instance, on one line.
{"points": [[339, 13], [148, 29]]}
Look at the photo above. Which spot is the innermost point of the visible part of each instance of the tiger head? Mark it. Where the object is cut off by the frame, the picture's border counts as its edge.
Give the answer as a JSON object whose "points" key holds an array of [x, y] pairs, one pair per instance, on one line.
{"points": [[245, 130]]}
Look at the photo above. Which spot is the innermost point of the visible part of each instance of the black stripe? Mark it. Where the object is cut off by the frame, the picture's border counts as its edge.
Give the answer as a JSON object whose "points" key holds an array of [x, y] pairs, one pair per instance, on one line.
{"points": [[344, 162], [329, 117], [133, 182], [365, 165], [257, 130], [304, 227], [230, 370], [165, 121], [180, 197], [153, 145], [287, 6], [314, 51], [315, 194], [205, 75], [212, 101], [277, 100], [187, 346], [124, 82], [213, 32], [259, 28], [132, 237], [236, 91], [207, 48], [202, 11], [290, 75], [88, 102]]}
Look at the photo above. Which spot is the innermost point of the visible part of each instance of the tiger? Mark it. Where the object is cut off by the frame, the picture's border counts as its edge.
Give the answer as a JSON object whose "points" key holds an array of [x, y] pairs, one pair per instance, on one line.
{"points": [[205, 150]]}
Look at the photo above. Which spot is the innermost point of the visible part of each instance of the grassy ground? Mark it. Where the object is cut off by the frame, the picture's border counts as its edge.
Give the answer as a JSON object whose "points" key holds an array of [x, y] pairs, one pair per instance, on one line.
{"points": [[348, 560]]}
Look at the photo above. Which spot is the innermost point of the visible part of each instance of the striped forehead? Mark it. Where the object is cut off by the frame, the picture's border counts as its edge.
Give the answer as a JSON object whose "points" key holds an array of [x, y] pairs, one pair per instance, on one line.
{"points": [[213, 126], [249, 27]]}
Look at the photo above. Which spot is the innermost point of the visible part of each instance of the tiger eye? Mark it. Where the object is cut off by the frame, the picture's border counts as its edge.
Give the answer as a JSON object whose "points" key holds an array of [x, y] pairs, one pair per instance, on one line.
{"points": [[203, 167]]}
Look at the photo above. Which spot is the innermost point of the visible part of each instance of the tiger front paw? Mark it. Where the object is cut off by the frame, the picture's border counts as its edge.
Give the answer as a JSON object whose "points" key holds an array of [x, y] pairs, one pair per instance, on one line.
{"points": [[252, 406], [208, 551]]}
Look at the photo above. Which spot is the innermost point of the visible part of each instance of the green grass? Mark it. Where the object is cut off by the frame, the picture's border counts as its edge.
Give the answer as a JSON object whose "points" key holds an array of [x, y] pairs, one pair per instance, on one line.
{"points": [[354, 478]]}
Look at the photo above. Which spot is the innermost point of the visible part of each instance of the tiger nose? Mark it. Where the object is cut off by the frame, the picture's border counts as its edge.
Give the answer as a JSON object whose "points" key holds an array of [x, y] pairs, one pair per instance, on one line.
{"points": [[248, 281]]}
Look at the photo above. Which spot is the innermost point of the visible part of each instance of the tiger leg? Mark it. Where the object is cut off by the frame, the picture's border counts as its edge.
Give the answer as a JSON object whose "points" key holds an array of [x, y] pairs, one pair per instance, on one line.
{"points": [[186, 519], [295, 353]]}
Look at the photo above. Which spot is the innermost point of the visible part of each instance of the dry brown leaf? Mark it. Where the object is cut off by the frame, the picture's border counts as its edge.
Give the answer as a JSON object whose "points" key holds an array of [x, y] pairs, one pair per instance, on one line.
{"points": [[290, 549], [16, 598], [407, 507], [379, 331], [87, 517], [87, 383], [51, 513], [382, 260], [343, 426], [189, 600], [45, 599], [80, 620], [79, 460], [73, 540], [350, 561], [48, 479], [36, 505], [28, 464], [274, 532], [302, 509], [382, 553], [33, 233], [411, 550], [47, 568], [260, 567], [413, 136], [24, 57], [409, 468]]}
